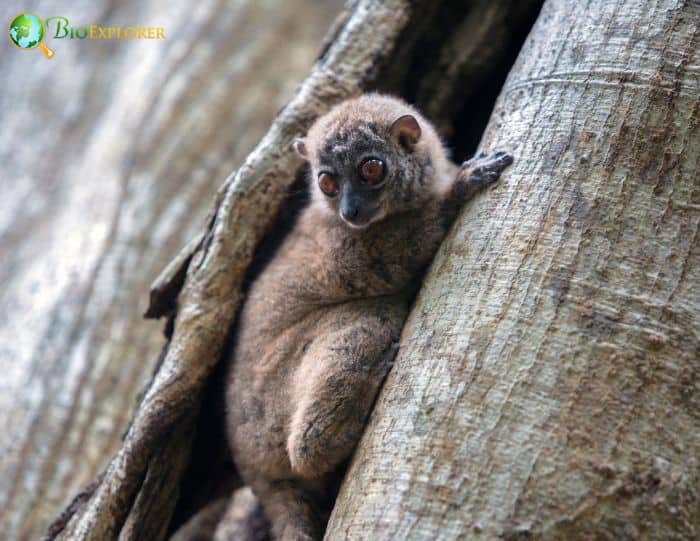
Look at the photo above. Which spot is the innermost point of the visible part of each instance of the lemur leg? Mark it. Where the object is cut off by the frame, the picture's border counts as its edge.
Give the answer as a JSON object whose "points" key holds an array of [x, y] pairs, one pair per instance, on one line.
{"points": [[290, 509], [340, 379], [243, 520]]}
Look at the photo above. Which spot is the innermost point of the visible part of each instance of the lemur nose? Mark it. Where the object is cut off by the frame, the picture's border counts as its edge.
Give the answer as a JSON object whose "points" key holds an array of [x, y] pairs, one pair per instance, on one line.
{"points": [[350, 212]]}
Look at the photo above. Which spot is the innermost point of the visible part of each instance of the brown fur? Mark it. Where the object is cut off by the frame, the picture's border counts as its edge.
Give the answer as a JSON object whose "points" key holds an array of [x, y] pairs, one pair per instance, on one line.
{"points": [[321, 323]]}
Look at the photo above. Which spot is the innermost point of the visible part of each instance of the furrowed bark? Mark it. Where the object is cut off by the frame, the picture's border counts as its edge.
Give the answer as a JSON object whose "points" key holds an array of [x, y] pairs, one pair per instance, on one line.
{"points": [[547, 381]]}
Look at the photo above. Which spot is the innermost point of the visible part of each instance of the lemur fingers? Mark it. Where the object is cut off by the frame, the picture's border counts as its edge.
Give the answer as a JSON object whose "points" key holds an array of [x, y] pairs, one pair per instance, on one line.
{"points": [[483, 169]]}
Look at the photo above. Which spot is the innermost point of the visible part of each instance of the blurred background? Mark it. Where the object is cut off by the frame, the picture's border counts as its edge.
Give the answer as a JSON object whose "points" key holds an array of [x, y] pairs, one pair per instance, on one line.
{"points": [[110, 155]]}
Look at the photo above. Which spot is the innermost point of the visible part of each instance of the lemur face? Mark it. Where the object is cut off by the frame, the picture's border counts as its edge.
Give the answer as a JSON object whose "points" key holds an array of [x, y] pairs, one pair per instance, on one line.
{"points": [[364, 171]]}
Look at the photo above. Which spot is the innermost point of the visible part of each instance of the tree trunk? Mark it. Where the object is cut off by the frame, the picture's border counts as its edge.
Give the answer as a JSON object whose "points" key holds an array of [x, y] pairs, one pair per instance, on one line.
{"points": [[547, 384]]}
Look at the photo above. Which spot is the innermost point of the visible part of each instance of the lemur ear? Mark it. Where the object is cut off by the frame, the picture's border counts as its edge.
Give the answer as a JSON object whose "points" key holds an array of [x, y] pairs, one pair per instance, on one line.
{"points": [[406, 130], [300, 148]]}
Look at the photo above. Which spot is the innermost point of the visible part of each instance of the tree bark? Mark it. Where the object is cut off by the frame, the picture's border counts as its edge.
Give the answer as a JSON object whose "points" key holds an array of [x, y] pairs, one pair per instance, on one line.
{"points": [[547, 385]]}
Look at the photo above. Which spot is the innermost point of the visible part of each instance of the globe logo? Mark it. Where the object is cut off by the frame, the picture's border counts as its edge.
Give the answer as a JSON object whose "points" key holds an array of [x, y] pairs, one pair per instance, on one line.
{"points": [[26, 32]]}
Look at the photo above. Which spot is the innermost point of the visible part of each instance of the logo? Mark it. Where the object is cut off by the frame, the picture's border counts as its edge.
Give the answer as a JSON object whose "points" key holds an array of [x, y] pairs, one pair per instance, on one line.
{"points": [[26, 32]]}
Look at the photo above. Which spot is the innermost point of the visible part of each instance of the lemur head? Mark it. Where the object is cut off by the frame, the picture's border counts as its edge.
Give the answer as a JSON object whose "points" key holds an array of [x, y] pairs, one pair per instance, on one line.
{"points": [[371, 157]]}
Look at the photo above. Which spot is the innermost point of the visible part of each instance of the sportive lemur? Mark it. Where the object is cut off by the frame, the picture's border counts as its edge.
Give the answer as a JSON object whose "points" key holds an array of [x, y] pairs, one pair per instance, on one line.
{"points": [[321, 323]]}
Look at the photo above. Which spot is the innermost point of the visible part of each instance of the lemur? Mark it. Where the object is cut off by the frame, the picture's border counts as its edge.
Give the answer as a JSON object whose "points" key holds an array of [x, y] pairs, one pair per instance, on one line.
{"points": [[321, 323]]}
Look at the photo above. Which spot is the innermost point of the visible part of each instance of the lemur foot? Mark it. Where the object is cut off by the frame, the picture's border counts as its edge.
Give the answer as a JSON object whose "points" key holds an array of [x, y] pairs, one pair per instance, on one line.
{"points": [[483, 169]]}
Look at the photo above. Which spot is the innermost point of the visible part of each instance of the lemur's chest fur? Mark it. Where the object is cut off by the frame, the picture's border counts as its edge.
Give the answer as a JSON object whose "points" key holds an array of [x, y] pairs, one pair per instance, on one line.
{"points": [[324, 264]]}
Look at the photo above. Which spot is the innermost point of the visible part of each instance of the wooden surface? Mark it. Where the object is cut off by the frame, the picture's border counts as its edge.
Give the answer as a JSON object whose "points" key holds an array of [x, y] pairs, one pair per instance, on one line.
{"points": [[547, 382], [110, 156]]}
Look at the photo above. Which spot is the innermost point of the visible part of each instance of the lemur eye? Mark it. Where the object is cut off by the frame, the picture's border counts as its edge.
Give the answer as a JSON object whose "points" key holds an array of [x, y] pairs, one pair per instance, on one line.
{"points": [[328, 184], [372, 170]]}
